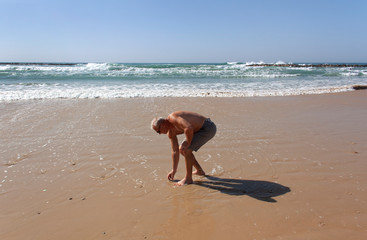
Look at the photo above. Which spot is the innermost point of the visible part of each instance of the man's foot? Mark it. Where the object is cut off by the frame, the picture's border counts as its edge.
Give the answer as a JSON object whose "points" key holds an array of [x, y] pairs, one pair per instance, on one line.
{"points": [[199, 172], [184, 182]]}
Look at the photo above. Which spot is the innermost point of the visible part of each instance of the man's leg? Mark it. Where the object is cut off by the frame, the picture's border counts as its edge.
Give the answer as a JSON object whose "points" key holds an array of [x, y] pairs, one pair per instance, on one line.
{"points": [[189, 162], [199, 171]]}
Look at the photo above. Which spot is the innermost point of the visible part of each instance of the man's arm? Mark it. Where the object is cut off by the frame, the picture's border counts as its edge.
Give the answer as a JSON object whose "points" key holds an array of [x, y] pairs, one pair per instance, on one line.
{"points": [[188, 131], [175, 156]]}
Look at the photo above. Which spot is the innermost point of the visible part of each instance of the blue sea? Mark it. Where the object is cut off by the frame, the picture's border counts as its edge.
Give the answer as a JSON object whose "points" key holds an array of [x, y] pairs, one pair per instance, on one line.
{"points": [[29, 81]]}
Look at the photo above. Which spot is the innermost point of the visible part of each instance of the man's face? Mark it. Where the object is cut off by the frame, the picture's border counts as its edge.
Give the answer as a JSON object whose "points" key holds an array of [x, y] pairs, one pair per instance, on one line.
{"points": [[158, 130], [161, 128]]}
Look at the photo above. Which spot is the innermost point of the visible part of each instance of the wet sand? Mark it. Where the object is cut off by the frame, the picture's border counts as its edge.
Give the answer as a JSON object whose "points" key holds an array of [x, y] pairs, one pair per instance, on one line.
{"points": [[279, 168]]}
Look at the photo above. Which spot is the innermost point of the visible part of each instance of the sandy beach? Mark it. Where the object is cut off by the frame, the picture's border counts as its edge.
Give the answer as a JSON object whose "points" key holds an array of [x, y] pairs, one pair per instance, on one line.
{"points": [[279, 168]]}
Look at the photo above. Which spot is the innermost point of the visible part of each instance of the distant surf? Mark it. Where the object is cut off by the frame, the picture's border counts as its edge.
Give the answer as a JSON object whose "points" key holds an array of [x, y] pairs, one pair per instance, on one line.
{"points": [[28, 81]]}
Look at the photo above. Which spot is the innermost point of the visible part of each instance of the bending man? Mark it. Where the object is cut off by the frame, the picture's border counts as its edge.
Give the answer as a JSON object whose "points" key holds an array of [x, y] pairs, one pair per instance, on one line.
{"points": [[197, 129]]}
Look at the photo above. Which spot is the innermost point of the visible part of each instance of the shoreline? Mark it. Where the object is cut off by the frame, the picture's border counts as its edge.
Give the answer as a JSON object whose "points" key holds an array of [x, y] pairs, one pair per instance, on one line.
{"points": [[288, 167], [224, 95]]}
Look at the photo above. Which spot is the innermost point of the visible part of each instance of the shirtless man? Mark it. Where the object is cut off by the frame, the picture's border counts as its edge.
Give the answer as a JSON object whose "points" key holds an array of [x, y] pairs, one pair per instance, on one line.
{"points": [[197, 129]]}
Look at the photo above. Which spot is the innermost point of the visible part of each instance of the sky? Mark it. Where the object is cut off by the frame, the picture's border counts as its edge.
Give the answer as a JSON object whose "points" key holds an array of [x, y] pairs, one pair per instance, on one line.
{"points": [[180, 31]]}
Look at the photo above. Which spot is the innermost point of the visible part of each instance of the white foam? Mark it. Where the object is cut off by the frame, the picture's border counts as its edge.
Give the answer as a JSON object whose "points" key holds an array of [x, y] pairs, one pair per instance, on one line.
{"points": [[103, 80], [97, 66], [254, 63], [6, 67], [157, 90], [229, 70], [47, 69]]}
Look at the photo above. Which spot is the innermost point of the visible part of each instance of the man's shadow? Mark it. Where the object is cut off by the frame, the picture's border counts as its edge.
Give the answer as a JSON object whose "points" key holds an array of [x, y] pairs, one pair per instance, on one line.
{"points": [[260, 190]]}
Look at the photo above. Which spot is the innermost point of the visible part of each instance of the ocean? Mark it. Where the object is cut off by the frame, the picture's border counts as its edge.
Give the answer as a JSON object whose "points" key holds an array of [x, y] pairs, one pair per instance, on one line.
{"points": [[30, 81]]}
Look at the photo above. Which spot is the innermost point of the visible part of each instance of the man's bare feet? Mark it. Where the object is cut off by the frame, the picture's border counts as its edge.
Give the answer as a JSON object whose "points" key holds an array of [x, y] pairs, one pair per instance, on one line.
{"points": [[184, 182], [199, 172]]}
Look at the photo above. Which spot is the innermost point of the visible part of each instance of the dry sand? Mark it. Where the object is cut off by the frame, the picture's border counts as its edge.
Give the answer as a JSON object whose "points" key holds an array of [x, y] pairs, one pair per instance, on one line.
{"points": [[280, 168]]}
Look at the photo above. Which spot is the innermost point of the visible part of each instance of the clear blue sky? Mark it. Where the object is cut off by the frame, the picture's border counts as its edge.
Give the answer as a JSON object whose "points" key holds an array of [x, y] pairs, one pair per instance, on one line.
{"points": [[183, 30]]}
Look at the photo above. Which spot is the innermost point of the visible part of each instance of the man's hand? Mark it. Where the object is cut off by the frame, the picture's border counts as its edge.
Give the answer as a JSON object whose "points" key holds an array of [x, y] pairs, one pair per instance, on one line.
{"points": [[171, 175]]}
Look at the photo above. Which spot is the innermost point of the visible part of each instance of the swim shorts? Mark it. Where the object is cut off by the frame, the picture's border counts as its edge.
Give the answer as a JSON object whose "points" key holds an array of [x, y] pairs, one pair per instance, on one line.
{"points": [[206, 132]]}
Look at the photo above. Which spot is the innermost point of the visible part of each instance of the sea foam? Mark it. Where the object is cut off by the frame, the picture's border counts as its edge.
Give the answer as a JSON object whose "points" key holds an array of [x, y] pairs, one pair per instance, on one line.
{"points": [[114, 80]]}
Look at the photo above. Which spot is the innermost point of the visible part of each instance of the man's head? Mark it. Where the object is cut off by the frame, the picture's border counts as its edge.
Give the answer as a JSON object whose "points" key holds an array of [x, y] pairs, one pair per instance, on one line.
{"points": [[157, 124]]}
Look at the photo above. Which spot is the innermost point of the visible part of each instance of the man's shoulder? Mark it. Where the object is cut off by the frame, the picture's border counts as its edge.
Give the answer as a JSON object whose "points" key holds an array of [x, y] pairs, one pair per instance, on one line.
{"points": [[174, 115]]}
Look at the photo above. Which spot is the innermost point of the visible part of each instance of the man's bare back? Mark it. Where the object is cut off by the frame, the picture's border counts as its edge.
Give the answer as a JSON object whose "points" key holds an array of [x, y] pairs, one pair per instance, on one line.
{"points": [[182, 119]]}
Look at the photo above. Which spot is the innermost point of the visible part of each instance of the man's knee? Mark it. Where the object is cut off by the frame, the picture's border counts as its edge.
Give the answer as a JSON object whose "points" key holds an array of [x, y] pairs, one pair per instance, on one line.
{"points": [[185, 152]]}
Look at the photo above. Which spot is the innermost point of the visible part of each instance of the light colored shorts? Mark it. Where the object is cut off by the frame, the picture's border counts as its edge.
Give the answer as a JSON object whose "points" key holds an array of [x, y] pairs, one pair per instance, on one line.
{"points": [[206, 132]]}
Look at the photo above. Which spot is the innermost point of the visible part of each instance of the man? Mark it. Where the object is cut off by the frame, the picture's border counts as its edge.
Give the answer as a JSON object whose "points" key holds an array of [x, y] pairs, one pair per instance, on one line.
{"points": [[197, 129]]}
